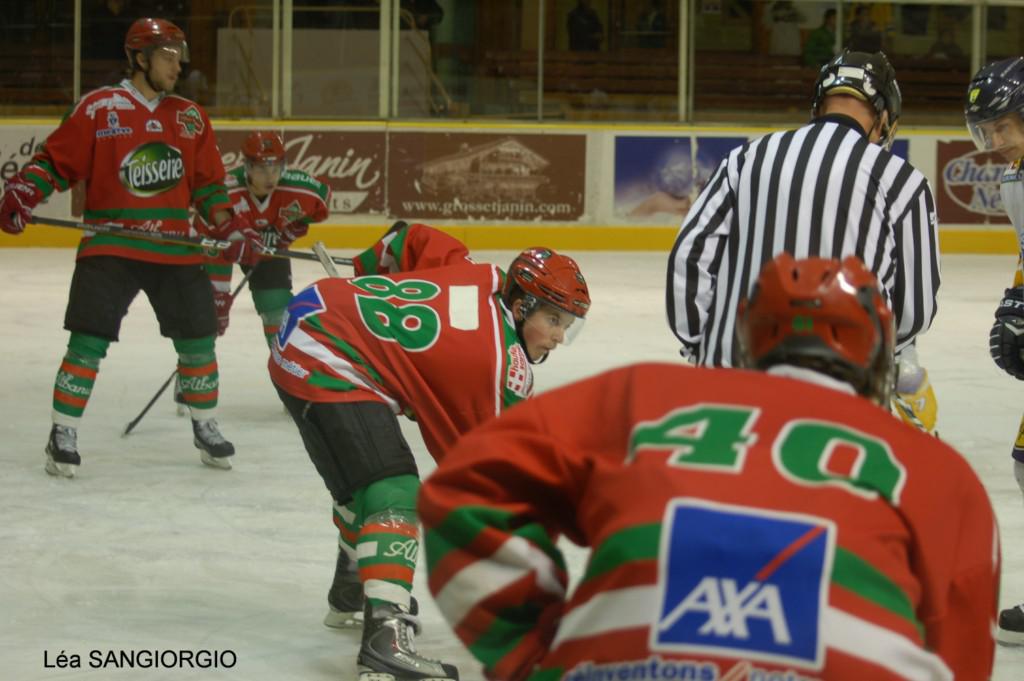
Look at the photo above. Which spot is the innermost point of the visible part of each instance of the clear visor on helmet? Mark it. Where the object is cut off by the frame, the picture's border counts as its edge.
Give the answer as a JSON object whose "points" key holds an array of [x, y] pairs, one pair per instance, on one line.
{"points": [[998, 133], [264, 174], [564, 326], [176, 51]]}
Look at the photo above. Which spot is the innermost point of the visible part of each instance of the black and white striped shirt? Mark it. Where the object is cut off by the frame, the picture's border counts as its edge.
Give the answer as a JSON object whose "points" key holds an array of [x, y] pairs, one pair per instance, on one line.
{"points": [[820, 190]]}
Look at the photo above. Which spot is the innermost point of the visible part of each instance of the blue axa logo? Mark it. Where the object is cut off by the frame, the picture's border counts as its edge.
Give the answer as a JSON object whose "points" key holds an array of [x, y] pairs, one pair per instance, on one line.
{"points": [[743, 582]]}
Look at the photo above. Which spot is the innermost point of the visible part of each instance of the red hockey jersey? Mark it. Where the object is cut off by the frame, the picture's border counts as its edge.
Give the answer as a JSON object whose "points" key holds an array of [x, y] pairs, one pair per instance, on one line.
{"points": [[742, 526], [433, 342], [298, 197], [144, 163]]}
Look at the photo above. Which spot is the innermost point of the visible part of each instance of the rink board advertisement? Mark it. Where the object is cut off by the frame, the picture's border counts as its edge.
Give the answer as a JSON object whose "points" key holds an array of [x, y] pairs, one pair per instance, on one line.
{"points": [[657, 178], [967, 190], [467, 176], [17, 146], [351, 162], [597, 187]]}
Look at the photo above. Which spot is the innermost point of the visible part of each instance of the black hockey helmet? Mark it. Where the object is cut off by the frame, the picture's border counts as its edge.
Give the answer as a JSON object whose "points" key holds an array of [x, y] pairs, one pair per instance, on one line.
{"points": [[868, 77], [996, 90]]}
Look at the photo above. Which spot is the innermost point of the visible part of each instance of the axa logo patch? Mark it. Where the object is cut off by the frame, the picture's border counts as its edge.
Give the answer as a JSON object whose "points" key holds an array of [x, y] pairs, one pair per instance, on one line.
{"points": [[743, 582], [291, 212]]}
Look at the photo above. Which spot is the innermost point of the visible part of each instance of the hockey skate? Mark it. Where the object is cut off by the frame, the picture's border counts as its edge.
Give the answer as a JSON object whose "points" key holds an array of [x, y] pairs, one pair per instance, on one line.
{"points": [[388, 652], [179, 400], [62, 457], [345, 598], [1011, 626], [214, 450]]}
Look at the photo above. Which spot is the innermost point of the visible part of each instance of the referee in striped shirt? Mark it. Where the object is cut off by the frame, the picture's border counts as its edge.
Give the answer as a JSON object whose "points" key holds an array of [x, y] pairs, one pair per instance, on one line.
{"points": [[829, 189]]}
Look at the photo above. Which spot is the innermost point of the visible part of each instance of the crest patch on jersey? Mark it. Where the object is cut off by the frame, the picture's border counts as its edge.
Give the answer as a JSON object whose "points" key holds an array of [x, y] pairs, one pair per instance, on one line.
{"points": [[191, 122], [519, 378], [291, 212], [114, 127], [153, 125], [743, 582]]}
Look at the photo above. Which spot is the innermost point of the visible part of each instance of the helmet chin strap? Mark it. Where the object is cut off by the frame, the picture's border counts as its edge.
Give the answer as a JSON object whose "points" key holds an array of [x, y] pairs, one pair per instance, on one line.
{"points": [[885, 133], [527, 304]]}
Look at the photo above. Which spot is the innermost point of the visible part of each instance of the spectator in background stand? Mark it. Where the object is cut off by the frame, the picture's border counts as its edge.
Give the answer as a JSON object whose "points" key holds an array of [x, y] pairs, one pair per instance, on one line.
{"points": [[865, 36], [785, 29], [107, 27], [945, 46], [821, 43], [653, 27], [426, 13], [166, 9], [585, 29], [102, 43]]}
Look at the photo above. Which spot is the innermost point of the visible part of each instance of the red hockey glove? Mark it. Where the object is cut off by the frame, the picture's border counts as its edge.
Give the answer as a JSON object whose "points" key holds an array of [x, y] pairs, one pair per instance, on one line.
{"points": [[237, 223], [246, 247], [281, 236], [20, 197], [223, 300], [289, 232]]}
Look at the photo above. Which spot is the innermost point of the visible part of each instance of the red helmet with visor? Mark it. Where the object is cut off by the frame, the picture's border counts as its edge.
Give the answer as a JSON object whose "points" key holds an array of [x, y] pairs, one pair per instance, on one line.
{"points": [[544, 276], [148, 34]]}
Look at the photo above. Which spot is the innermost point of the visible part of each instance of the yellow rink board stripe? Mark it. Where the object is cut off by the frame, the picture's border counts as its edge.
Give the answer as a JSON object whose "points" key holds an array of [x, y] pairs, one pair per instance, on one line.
{"points": [[519, 236]]}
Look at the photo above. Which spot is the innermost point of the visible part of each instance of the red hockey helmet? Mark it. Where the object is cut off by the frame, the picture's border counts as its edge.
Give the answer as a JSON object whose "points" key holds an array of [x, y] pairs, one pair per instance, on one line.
{"points": [[544, 276], [148, 34], [822, 314], [262, 146]]}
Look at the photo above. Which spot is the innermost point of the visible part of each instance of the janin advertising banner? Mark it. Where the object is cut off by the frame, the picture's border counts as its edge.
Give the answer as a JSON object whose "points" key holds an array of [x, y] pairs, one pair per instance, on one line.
{"points": [[351, 162], [968, 184], [466, 176]]}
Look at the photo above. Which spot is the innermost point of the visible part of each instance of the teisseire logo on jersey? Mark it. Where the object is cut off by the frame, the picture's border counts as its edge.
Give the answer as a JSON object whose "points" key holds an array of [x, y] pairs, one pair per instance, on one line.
{"points": [[151, 168], [743, 582]]}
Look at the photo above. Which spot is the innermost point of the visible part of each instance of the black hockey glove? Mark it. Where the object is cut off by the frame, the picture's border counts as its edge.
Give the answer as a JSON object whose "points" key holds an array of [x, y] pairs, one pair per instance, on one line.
{"points": [[1006, 341]]}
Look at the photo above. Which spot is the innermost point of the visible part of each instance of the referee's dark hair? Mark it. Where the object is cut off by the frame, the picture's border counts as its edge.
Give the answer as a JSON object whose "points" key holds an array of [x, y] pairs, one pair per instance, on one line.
{"points": [[829, 189]]}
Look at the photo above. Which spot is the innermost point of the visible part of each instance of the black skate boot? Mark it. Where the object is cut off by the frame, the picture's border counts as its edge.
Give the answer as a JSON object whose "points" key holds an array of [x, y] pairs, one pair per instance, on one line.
{"points": [[388, 652], [214, 450], [1011, 626], [179, 399], [345, 599], [62, 457]]}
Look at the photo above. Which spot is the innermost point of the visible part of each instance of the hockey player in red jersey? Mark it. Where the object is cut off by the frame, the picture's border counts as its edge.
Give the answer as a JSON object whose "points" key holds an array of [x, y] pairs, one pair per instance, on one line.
{"points": [[424, 332], [146, 156], [742, 525], [282, 203]]}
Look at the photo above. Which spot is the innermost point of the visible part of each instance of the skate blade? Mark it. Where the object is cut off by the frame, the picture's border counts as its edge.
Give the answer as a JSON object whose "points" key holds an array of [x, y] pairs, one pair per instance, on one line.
{"points": [[220, 462], [60, 470], [367, 674], [340, 619]]}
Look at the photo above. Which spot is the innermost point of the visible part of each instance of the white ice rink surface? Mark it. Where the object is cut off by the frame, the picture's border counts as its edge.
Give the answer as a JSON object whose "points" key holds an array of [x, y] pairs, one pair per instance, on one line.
{"points": [[149, 550]]}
